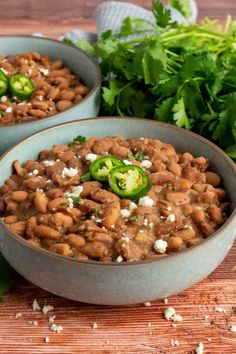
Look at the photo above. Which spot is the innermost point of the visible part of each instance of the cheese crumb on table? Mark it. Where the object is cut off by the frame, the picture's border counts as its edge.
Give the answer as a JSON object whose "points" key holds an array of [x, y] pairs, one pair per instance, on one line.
{"points": [[56, 328], [200, 348], [165, 301], [174, 342], [46, 340], [147, 304], [47, 308], [220, 309], [35, 306], [233, 329], [171, 315], [18, 314], [94, 325]]}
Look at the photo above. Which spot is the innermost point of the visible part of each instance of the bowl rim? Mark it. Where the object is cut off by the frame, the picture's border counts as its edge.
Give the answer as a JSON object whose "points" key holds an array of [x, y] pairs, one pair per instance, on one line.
{"points": [[169, 257], [96, 86]]}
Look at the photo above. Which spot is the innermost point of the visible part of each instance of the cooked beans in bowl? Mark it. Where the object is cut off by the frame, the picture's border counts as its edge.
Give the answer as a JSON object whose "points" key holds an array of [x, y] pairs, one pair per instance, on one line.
{"points": [[113, 199], [34, 87]]}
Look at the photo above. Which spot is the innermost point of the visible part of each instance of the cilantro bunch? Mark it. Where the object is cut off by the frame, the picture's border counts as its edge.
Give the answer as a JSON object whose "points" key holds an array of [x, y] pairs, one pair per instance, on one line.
{"points": [[180, 74]]}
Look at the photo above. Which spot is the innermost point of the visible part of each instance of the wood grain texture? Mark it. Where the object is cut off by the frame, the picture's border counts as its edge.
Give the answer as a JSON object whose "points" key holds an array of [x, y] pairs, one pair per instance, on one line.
{"points": [[77, 9], [127, 330]]}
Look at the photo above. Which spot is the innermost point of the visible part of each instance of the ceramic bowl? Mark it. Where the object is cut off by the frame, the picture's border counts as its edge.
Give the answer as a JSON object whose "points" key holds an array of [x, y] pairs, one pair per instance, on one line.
{"points": [[120, 283], [77, 60]]}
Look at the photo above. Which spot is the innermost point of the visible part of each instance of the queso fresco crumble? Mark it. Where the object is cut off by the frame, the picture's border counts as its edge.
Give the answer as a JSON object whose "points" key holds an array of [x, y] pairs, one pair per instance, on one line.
{"points": [[113, 199], [34, 87]]}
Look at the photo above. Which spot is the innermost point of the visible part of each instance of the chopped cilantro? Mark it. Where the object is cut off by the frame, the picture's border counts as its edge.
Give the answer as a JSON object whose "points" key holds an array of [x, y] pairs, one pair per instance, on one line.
{"points": [[139, 155], [76, 200], [133, 218], [86, 177], [80, 138], [2, 113], [97, 213]]}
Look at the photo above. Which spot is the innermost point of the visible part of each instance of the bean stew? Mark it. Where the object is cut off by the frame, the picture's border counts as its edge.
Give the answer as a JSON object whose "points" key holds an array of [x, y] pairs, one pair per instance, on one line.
{"points": [[34, 87], [56, 203]]}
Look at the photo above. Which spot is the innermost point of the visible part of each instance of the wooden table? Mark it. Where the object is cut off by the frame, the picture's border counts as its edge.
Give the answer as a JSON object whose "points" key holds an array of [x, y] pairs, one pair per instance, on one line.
{"points": [[131, 329]]}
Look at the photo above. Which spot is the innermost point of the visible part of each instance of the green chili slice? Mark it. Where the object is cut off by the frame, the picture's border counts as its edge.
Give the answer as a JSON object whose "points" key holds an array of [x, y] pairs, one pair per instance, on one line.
{"points": [[129, 181], [3, 83], [101, 167], [21, 86]]}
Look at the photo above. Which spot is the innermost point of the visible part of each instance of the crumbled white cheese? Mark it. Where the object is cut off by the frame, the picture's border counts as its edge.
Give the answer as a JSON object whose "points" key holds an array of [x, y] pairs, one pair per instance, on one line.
{"points": [[220, 309], [132, 206], [69, 172], [146, 164], [51, 319], [18, 314], [76, 191], [35, 323], [56, 328], [9, 110], [145, 222], [168, 208], [48, 181], [48, 163], [44, 71], [233, 329], [4, 99], [177, 318], [160, 246], [151, 224], [91, 157], [4, 70], [70, 203], [46, 340], [146, 201], [47, 308], [40, 98], [35, 171], [166, 301], [39, 190], [174, 342], [35, 306], [169, 313], [30, 71], [147, 304], [127, 162], [206, 317], [200, 348], [94, 325], [125, 213], [171, 218], [119, 259]]}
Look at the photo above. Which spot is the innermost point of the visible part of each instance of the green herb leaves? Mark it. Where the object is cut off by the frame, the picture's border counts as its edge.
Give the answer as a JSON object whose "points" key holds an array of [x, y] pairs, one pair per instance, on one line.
{"points": [[80, 138]]}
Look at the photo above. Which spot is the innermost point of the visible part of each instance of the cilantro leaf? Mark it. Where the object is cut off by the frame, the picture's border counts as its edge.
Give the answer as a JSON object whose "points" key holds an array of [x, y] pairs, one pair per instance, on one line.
{"points": [[80, 138], [180, 117], [110, 94], [86, 46], [5, 276], [76, 200], [139, 155], [231, 151], [162, 15], [86, 177], [183, 6], [133, 218]]}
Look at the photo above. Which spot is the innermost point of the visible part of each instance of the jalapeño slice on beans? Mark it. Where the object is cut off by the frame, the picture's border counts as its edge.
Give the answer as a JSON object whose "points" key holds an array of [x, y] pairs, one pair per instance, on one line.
{"points": [[3, 83], [100, 168], [129, 181], [21, 86]]}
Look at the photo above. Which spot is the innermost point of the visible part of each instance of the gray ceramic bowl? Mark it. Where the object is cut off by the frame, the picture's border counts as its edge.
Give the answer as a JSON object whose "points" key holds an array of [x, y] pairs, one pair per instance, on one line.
{"points": [[75, 59], [120, 283]]}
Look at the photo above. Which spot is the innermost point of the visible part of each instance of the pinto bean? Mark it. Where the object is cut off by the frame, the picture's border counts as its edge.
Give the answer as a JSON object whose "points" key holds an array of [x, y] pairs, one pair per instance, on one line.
{"points": [[41, 202], [11, 219], [61, 248], [18, 227], [68, 95], [88, 187], [89, 206], [184, 234], [173, 167], [213, 178], [215, 213], [207, 197], [46, 232], [19, 169], [82, 90], [177, 197], [19, 196], [34, 183], [144, 238], [63, 222], [57, 204], [95, 249], [78, 98], [198, 215], [67, 156], [182, 184], [206, 229], [75, 241], [55, 193], [63, 105], [103, 196], [164, 228], [161, 177], [31, 223], [111, 214], [175, 243]]}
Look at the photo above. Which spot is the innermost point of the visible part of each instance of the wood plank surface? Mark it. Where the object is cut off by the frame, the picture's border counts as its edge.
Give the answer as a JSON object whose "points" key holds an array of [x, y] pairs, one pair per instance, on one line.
{"points": [[128, 329]]}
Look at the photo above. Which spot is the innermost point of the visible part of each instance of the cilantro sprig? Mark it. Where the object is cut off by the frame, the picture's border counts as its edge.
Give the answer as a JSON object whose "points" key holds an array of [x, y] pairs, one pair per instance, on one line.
{"points": [[183, 74]]}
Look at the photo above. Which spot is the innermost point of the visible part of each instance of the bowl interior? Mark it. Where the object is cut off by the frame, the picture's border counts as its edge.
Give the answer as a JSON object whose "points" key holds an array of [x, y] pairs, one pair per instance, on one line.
{"points": [[181, 139], [75, 59]]}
